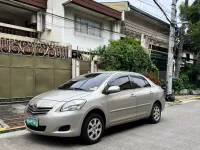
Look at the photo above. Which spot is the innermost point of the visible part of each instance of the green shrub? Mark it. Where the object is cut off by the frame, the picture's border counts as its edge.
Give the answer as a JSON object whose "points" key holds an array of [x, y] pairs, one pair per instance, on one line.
{"points": [[177, 85], [163, 84], [125, 55]]}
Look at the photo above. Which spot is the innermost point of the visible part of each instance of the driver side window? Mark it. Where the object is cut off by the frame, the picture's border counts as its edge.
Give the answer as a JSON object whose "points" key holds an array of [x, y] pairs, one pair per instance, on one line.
{"points": [[122, 82]]}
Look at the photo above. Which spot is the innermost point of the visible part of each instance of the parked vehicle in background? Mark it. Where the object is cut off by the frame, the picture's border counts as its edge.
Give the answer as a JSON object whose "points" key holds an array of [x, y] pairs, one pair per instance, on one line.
{"points": [[87, 105]]}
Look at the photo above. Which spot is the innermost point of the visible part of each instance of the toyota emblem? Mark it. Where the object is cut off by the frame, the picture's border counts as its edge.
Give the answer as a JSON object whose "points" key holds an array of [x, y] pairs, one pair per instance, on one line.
{"points": [[34, 106]]}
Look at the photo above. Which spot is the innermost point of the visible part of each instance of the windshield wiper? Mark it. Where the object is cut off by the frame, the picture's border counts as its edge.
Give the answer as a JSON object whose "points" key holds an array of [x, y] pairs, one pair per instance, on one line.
{"points": [[77, 89]]}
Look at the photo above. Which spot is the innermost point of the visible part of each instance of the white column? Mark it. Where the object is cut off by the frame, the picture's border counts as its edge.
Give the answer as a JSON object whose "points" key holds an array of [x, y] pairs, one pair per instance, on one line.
{"points": [[40, 25], [143, 40], [92, 66], [77, 68], [70, 51]]}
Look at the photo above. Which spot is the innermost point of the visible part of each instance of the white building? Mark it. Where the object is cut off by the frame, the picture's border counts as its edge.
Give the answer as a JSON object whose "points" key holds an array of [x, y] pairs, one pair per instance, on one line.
{"points": [[85, 24], [18, 19], [151, 31]]}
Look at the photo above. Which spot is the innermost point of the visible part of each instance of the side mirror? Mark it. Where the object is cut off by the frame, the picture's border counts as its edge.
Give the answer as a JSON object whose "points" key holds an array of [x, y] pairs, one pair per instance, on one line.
{"points": [[113, 89]]}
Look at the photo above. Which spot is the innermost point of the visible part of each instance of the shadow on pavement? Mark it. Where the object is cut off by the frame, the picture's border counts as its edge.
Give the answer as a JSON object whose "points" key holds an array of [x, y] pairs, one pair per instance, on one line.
{"points": [[125, 127], [53, 141], [71, 142]]}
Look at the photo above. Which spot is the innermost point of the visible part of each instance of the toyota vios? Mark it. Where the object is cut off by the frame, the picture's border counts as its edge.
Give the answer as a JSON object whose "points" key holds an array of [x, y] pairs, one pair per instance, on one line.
{"points": [[85, 106]]}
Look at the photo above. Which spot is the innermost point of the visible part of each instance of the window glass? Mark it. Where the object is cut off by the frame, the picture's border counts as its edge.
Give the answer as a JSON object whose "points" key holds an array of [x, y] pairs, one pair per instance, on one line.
{"points": [[97, 29], [91, 28], [87, 27], [78, 25], [88, 82], [147, 83], [122, 82], [84, 26], [187, 56], [139, 82]]}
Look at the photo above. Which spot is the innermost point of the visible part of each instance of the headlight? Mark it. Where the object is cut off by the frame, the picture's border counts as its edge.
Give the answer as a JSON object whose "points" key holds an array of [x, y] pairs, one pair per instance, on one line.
{"points": [[73, 105]]}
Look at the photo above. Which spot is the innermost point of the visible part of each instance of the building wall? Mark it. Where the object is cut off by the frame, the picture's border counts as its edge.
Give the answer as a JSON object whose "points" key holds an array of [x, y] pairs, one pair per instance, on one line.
{"points": [[145, 26], [54, 26], [63, 30], [191, 56], [85, 42], [120, 6]]}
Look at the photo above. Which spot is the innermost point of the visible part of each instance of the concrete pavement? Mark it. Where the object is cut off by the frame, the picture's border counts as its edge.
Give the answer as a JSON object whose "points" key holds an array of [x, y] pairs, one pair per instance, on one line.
{"points": [[11, 116], [178, 130]]}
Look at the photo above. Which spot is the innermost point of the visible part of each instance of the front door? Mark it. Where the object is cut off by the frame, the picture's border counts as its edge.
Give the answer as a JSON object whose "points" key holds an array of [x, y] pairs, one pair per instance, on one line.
{"points": [[121, 105], [143, 95]]}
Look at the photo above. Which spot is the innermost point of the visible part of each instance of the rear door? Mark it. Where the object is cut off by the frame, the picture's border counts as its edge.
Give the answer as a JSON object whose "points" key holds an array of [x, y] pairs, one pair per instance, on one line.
{"points": [[143, 94], [121, 105]]}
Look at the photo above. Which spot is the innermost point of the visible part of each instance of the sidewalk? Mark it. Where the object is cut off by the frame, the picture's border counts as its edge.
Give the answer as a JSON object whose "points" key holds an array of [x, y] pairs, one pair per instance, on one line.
{"points": [[12, 118], [184, 98]]}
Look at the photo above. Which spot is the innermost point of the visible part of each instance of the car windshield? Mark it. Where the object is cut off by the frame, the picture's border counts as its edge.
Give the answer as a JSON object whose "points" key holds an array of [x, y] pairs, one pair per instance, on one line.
{"points": [[88, 82]]}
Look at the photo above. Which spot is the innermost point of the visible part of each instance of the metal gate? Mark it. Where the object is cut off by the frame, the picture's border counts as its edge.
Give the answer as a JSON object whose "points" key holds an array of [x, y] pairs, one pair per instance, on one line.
{"points": [[160, 60], [30, 68]]}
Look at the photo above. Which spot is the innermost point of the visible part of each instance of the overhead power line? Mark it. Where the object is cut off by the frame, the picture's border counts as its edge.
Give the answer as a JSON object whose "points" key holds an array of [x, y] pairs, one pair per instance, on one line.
{"points": [[167, 10], [162, 11], [152, 5]]}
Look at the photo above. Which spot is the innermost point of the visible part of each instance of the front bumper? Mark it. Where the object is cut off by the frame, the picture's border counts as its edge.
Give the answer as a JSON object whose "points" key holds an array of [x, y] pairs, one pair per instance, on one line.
{"points": [[54, 120]]}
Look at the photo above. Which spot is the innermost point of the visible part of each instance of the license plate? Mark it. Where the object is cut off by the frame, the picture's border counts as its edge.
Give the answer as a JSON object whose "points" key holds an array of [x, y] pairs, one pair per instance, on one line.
{"points": [[32, 122]]}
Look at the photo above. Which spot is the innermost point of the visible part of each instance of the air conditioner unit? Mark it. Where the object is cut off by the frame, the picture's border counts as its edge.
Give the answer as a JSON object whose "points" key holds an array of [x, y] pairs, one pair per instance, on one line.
{"points": [[33, 19]]}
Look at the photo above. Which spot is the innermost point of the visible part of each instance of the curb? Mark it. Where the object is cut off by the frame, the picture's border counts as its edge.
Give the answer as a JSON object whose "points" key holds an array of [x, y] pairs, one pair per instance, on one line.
{"points": [[16, 102], [2, 129], [182, 100], [11, 129]]}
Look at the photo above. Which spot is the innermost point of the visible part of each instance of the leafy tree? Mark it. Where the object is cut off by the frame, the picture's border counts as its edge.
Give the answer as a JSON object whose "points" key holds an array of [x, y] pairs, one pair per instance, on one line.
{"points": [[193, 16], [125, 55]]}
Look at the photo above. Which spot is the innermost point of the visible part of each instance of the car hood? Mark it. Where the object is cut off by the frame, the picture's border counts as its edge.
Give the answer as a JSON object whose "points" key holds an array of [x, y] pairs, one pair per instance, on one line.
{"points": [[51, 98], [62, 95]]}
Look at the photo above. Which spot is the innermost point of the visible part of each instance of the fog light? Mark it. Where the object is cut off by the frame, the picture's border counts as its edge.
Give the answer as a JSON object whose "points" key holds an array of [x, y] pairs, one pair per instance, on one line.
{"points": [[64, 128]]}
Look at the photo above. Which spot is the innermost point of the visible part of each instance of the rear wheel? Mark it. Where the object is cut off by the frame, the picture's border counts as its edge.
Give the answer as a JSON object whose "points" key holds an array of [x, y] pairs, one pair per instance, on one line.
{"points": [[155, 113], [93, 128]]}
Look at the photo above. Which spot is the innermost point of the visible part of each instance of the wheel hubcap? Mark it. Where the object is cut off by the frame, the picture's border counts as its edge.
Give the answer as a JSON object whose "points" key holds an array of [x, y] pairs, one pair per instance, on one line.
{"points": [[94, 129], [156, 113]]}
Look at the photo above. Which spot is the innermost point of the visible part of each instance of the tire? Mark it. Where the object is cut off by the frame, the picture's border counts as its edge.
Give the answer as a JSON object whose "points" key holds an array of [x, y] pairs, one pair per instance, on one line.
{"points": [[155, 113], [92, 129]]}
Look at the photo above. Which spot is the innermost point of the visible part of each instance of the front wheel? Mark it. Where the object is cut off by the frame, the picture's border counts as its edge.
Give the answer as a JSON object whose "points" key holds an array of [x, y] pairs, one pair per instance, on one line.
{"points": [[155, 113], [93, 128]]}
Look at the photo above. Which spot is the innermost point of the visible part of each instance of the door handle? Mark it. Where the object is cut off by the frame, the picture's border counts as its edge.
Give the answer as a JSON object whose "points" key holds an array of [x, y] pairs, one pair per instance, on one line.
{"points": [[132, 95]]}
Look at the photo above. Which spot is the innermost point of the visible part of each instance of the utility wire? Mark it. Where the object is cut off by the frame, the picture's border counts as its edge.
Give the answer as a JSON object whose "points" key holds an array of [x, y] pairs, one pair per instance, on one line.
{"points": [[152, 5], [167, 10], [162, 11]]}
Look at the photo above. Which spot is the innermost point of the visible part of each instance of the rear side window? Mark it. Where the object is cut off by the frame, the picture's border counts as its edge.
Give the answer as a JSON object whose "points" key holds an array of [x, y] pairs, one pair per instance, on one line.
{"points": [[122, 82], [139, 82]]}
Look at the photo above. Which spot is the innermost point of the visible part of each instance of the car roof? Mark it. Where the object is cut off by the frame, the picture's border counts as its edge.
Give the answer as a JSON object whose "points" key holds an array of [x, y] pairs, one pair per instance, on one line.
{"points": [[119, 72]]}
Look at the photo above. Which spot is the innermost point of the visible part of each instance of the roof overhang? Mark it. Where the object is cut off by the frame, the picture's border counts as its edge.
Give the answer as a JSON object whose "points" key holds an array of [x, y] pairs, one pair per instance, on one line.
{"points": [[21, 5], [36, 3], [96, 7], [141, 12]]}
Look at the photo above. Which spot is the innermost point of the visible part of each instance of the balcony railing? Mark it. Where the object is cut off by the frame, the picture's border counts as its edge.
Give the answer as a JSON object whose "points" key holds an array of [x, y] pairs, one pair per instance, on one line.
{"points": [[131, 27], [17, 30]]}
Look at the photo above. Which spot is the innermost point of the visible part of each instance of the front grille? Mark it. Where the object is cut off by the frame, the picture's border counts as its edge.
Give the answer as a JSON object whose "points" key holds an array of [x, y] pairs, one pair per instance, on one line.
{"points": [[38, 110], [39, 128]]}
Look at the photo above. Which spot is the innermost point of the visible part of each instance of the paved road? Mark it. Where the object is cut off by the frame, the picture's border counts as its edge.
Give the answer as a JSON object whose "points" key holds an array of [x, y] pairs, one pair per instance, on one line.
{"points": [[179, 129]]}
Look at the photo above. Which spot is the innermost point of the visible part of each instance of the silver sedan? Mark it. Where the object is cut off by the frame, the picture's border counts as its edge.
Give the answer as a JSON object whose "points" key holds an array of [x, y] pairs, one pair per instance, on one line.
{"points": [[87, 105]]}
